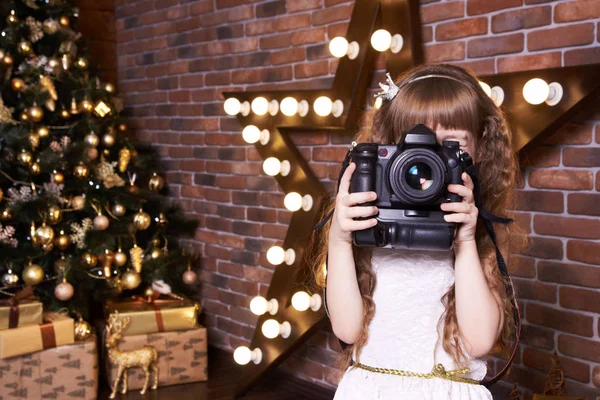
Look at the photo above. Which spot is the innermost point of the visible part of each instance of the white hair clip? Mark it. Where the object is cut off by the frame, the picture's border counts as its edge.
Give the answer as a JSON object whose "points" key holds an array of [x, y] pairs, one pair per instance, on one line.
{"points": [[390, 90]]}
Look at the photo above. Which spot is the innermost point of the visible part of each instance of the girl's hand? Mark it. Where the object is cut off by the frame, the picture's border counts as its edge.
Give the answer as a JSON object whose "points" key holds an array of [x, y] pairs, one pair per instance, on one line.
{"points": [[346, 209], [465, 212]]}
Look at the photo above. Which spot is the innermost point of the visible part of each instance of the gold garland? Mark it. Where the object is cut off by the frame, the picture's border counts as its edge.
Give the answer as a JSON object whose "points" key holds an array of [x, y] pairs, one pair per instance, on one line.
{"points": [[438, 371]]}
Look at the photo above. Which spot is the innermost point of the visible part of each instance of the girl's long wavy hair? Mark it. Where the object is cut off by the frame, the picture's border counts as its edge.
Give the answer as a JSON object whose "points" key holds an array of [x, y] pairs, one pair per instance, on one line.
{"points": [[452, 104]]}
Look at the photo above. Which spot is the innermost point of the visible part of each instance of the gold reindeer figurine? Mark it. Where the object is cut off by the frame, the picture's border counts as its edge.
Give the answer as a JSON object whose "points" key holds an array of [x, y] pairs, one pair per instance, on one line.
{"points": [[145, 358]]}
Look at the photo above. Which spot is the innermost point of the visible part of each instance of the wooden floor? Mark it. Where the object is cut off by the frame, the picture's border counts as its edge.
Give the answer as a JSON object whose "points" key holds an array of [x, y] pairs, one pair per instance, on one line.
{"points": [[222, 374]]}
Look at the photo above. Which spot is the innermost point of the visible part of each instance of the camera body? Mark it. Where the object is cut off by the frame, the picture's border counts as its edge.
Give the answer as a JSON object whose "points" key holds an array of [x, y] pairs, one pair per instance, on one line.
{"points": [[411, 181]]}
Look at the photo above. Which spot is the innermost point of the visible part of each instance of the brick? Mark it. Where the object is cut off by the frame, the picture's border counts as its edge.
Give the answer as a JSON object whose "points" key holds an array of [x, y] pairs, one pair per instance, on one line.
{"points": [[544, 248], [577, 10], [332, 14], [561, 179], [262, 214], [485, 6], [571, 133], [479, 67], [329, 153], [442, 11], [587, 252], [303, 5], [529, 62], [583, 203], [461, 28], [565, 321], [292, 22], [528, 289], [276, 74], [495, 45], [437, 53], [521, 19], [276, 41], [581, 157], [258, 274], [308, 36], [538, 337], [522, 266], [307, 70], [579, 299], [542, 156], [581, 348], [260, 27], [571, 274], [270, 9], [426, 34], [243, 45], [582, 228], [590, 55], [564, 36], [538, 200], [540, 360]]}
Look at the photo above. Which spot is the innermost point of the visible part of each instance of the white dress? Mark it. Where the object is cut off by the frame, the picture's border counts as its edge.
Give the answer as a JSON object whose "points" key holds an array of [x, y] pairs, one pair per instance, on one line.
{"points": [[402, 334]]}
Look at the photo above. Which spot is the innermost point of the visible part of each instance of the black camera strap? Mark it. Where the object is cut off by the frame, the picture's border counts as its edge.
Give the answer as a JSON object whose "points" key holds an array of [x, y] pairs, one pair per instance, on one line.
{"points": [[488, 220]]}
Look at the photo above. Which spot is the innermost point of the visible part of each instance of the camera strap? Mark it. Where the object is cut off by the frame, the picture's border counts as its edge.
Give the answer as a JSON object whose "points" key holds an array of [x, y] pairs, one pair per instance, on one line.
{"points": [[488, 220]]}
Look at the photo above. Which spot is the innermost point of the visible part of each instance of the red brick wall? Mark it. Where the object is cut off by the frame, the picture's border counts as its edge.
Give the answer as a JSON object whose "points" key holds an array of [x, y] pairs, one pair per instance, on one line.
{"points": [[175, 57]]}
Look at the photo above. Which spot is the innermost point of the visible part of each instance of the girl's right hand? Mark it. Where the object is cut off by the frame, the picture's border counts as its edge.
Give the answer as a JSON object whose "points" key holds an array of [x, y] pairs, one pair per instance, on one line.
{"points": [[346, 210]]}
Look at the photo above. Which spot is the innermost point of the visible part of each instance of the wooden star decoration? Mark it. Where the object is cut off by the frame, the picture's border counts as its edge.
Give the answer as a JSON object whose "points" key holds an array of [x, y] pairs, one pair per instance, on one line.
{"points": [[580, 86]]}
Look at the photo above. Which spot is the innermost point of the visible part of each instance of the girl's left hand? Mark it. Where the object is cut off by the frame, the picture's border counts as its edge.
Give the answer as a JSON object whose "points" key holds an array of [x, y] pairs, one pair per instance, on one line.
{"points": [[465, 213]]}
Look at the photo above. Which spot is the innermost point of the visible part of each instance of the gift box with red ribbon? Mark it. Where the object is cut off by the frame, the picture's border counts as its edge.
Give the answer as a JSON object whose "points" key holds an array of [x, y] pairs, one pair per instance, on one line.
{"points": [[159, 313], [19, 310]]}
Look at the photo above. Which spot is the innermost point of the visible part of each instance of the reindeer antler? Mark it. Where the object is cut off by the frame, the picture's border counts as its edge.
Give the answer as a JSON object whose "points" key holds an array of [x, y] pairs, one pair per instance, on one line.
{"points": [[116, 324]]}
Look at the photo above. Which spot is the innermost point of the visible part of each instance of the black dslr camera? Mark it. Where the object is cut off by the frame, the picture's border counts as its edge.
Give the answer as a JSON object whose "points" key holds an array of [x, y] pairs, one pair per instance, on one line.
{"points": [[411, 181]]}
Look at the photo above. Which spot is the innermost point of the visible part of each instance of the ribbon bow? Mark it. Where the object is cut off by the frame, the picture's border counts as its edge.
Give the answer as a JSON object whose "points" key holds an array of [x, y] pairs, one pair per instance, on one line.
{"points": [[13, 303]]}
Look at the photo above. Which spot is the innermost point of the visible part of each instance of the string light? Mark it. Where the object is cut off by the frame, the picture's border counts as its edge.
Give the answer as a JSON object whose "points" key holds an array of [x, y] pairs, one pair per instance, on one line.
{"points": [[260, 106], [382, 40], [243, 355], [537, 91], [339, 47], [272, 166], [233, 106], [276, 255], [496, 93], [378, 103], [252, 134], [294, 201], [259, 305], [290, 106], [302, 301], [323, 106], [271, 329]]}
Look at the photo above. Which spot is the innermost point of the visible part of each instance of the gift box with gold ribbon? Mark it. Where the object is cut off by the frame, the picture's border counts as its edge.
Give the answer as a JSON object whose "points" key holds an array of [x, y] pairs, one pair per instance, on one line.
{"points": [[20, 309], [155, 314], [55, 330], [65, 372]]}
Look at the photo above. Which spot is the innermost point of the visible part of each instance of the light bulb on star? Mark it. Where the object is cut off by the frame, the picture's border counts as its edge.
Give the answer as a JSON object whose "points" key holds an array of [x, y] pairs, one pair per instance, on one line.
{"points": [[536, 91], [259, 305], [496, 93], [252, 134], [302, 301], [271, 329], [339, 47], [382, 40], [272, 166], [261, 106], [324, 106], [243, 355], [290, 106], [293, 201], [233, 107], [276, 255]]}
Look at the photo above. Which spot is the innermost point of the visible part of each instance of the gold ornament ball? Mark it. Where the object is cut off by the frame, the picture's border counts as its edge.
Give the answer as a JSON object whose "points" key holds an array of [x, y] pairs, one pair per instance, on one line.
{"points": [[9, 279], [162, 221], [50, 26], [149, 292], [63, 291], [33, 274], [53, 62], [109, 87], [141, 221], [131, 280], [25, 157], [156, 253], [23, 116], [65, 114], [86, 105], [83, 330], [132, 188], [34, 140], [35, 113], [6, 214], [43, 131], [24, 47], [61, 265], [35, 168], [91, 139], [8, 60], [120, 258], [108, 140], [54, 215], [122, 127], [189, 277], [92, 153], [81, 63], [17, 84], [47, 247], [100, 222], [64, 21], [44, 234], [118, 209], [78, 202], [89, 259], [156, 183], [81, 171], [62, 241], [58, 177], [12, 18]]}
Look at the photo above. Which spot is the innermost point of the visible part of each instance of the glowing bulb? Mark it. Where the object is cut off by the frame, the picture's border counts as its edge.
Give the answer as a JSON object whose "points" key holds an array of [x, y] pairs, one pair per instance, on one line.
{"points": [[260, 106], [378, 103], [271, 329], [290, 106], [272, 166], [293, 201], [276, 255], [233, 106], [252, 134], [243, 355], [382, 40], [302, 301], [324, 106], [259, 305], [495, 93], [486, 88], [339, 47], [537, 91]]}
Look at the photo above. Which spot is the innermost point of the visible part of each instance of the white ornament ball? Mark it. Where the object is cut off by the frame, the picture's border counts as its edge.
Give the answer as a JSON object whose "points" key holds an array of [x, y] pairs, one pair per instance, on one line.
{"points": [[189, 277], [100, 222], [63, 291]]}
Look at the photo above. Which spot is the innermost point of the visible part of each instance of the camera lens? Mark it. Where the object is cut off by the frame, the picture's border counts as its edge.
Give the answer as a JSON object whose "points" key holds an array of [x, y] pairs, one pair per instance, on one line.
{"points": [[419, 176]]}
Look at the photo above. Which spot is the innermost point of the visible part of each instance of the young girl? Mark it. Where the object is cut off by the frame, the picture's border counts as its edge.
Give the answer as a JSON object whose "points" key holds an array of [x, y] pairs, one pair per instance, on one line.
{"points": [[401, 313]]}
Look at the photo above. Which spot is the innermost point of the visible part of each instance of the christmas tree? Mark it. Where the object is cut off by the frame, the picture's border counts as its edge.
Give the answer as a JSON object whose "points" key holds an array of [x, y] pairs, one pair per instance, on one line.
{"points": [[83, 212]]}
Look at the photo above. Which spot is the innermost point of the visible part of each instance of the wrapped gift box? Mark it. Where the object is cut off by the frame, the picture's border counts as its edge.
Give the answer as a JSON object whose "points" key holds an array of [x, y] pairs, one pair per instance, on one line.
{"points": [[155, 315], [65, 372], [56, 330], [26, 312], [182, 357]]}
